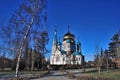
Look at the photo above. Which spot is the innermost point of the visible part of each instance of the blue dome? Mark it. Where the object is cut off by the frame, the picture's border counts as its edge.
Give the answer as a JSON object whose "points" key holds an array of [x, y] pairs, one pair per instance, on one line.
{"points": [[59, 43], [78, 43], [76, 53], [68, 41], [63, 52]]}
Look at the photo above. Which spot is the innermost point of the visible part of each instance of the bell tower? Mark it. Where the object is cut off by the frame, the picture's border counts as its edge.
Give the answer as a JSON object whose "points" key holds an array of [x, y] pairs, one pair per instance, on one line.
{"points": [[78, 46], [55, 42]]}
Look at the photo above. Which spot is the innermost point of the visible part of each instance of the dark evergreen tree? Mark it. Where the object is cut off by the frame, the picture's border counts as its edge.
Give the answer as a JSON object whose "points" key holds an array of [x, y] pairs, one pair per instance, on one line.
{"points": [[114, 44], [114, 50], [105, 63]]}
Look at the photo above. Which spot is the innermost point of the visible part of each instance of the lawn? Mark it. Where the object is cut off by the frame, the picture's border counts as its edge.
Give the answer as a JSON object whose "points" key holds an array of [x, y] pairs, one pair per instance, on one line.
{"points": [[115, 74], [22, 74]]}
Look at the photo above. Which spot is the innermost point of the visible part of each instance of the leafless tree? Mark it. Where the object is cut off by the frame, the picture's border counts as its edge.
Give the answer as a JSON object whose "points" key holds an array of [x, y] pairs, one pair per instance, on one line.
{"points": [[28, 16], [40, 44], [25, 25], [97, 60]]}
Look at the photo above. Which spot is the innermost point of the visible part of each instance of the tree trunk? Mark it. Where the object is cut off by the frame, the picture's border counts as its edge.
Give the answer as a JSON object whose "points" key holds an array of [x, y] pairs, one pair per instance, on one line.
{"points": [[107, 65], [28, 60], [21, 48], [99, 70], [99, 64], [32, 65], [3, 63]]}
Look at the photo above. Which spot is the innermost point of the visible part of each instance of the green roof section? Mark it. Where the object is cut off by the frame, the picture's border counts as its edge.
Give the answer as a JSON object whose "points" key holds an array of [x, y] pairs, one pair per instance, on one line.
{"points": [[62, 52], [68, 41], [76, 53]]}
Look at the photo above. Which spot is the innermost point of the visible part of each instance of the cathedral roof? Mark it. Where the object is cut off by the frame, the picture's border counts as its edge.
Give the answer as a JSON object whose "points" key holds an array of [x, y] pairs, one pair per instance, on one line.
{"points": [[76, 53], [68, 35], [63, 52], [68, 41]]}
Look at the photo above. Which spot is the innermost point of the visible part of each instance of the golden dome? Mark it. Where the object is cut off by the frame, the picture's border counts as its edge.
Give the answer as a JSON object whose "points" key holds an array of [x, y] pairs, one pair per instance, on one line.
{"points": [[68, 35]]}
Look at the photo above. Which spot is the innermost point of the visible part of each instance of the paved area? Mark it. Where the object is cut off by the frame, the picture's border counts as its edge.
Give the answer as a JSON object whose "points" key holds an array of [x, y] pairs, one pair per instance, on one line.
{"points": [[54, 75], [57, 75]]}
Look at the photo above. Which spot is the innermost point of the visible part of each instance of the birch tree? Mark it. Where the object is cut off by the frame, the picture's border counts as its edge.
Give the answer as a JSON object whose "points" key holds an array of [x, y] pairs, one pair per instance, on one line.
{"points": [[27, 21]]}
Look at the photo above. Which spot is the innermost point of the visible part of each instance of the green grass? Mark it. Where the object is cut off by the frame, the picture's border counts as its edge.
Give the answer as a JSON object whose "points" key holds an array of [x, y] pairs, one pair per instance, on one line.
{"points": [[115, 74], [10, 72], [20, 72]]}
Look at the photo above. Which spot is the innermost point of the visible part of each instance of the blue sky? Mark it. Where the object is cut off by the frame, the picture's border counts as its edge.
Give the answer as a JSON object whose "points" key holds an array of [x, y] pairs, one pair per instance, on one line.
{"points": [[94, 21]]}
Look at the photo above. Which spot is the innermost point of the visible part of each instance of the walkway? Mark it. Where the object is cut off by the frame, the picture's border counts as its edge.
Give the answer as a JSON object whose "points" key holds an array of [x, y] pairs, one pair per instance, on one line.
{"points": [[54, 75]]}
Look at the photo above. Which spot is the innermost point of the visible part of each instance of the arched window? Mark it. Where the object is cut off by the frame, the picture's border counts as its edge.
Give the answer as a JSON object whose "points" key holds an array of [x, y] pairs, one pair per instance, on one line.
{"points": [[63, 59], [79, 58]]}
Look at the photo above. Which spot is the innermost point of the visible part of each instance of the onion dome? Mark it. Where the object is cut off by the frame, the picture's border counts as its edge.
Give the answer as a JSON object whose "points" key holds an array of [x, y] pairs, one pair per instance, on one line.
{"points": [[68, 35]]}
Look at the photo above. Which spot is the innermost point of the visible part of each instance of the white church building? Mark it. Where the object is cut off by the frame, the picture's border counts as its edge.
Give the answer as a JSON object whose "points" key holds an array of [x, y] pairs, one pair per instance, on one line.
{"points": [[66, 52]]}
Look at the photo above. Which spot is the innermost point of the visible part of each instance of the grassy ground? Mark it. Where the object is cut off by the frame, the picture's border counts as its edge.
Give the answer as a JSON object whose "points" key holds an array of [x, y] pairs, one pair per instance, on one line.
{"points": [[20, 72], [4, 75], [115, 74]]}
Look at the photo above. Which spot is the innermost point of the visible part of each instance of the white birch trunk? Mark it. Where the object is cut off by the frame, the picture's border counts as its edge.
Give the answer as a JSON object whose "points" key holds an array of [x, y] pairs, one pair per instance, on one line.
{"points": [[21, 47], [33, 60]]}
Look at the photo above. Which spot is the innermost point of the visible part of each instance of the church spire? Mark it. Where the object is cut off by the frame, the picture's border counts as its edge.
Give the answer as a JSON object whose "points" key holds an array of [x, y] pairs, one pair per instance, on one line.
{"points": [[55, 34], [59, 44], [78, 40], [78, 45], [55, 41]]}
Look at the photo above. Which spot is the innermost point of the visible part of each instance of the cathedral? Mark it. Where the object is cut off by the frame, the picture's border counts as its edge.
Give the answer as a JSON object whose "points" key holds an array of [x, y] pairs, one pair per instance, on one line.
{"points": [[66, 52]]}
